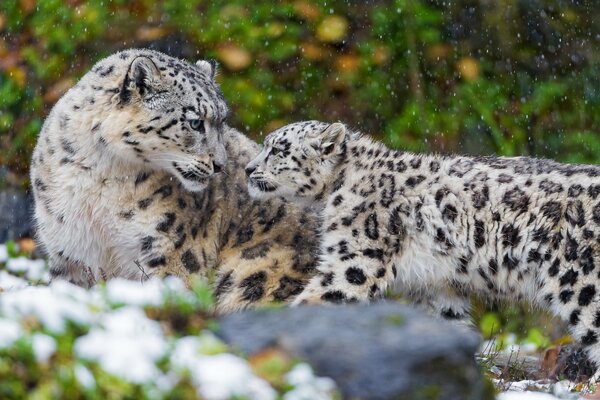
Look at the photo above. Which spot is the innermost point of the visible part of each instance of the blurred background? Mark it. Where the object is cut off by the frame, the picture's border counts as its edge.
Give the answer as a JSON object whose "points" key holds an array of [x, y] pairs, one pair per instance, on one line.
{"points": [[511, 77]]}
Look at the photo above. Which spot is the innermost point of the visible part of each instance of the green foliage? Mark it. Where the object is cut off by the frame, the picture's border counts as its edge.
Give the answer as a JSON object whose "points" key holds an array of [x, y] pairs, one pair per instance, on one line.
{"points": [[474, 77]]}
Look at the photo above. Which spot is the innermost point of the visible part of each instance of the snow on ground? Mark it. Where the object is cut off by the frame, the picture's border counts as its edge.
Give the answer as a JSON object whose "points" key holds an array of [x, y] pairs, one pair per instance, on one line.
{"points": [[107, 328], [536, 390]]}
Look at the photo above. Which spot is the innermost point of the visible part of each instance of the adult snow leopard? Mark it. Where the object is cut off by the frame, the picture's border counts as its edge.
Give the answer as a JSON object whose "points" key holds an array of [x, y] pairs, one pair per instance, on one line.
{"points": [[444, 226], [136, 173]]}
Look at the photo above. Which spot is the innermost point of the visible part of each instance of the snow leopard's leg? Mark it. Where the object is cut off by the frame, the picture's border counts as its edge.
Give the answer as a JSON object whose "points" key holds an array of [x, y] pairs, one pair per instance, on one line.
{"points": [[445, 302], [64, 268]]}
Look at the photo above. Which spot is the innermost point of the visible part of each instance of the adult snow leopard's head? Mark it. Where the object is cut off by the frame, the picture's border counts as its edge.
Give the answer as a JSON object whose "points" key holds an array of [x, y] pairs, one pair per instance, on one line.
{"points": [[297, 161], [165, 113]]}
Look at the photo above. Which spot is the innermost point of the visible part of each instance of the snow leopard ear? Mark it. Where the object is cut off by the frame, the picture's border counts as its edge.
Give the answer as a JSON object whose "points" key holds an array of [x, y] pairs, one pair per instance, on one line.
{"points": [[143, 75], [332, 138], [209, 67]]}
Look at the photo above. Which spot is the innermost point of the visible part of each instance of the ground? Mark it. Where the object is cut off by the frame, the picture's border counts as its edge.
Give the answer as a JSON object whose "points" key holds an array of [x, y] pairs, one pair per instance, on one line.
{"points": [[156, 340]]}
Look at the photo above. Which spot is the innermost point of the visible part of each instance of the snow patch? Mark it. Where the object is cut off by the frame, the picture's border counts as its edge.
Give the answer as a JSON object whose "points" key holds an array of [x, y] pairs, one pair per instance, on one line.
{"points": [[127, 345], [45, 304], [221, 376], [11, 282], [512, 395], [307, 386], [43, 346], [84, 376], [123, 291], [9, 332]]}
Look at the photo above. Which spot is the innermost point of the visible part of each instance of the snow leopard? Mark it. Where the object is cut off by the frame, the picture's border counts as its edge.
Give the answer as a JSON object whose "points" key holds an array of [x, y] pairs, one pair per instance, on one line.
{"points": [[513, 228], [137, 174]]}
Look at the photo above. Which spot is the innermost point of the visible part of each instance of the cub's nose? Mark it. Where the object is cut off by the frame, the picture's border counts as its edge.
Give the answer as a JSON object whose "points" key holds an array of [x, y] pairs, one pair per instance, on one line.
{"points": [[250, 170], [217, 167]]}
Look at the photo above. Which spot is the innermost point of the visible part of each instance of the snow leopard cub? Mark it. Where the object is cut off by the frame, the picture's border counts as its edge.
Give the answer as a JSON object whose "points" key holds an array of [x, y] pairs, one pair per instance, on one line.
{"points": [[444, 226]]}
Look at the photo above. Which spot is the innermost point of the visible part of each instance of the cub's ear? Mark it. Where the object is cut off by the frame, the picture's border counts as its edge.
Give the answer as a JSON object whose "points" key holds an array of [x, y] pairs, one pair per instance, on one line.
{"points": [[209, 67], [332, 138], [142, 76]]}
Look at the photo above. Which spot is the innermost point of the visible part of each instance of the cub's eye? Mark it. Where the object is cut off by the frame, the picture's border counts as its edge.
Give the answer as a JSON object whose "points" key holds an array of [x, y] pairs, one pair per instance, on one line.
{"points": [[197, 125], [274, 151]]}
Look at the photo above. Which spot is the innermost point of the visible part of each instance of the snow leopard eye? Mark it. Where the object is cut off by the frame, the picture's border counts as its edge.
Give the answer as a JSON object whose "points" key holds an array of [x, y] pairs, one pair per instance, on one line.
{"points": [[197, 125], [274, 151]]}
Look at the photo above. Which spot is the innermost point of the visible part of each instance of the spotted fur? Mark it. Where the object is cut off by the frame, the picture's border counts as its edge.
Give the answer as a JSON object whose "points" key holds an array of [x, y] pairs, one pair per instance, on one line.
{"points": [[136, 173], [442, 227]]}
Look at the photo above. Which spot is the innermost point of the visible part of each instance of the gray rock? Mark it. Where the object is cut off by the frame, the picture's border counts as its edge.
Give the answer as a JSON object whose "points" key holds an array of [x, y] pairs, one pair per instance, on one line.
{"points": [[15, 215], [381, 351]]}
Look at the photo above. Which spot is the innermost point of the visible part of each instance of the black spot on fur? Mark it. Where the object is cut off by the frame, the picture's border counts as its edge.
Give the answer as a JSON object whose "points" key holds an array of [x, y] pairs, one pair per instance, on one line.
{"points": [[516, 199], [550, 187], [414, 180], [166, 223], [480, 198], [574, 213], [337, 200], [190, 261], [586, 260], [596, 214], [594, 191], [374, 253], [569, 277], [597, 319], [479, 235], [244, 235], [165, 191], [288, 287], [566, 295], [589, 338], [355, 276], [510, 262], [181, 236], [147, 243], [395, 225], [334, 296], [126, 214], [574, 317], [327, 279], [144, 203], [575, 190], [571, 248], [510, 236], [142, 177], [553, 211], [225, 284], [449, 213], [586, 295], [157, 261], [372, 227], [253, 286], [259, 250], [554, 268]]}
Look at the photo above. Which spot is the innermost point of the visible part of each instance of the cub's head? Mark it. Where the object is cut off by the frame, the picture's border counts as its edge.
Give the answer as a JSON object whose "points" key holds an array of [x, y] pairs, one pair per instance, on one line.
{"points": [[170, 114], [297, 161]]}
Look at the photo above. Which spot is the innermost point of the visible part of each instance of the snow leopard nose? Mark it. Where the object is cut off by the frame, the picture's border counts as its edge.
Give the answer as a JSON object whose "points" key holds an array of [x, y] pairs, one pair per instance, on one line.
{"points": [[217, 167], [250, 170]]}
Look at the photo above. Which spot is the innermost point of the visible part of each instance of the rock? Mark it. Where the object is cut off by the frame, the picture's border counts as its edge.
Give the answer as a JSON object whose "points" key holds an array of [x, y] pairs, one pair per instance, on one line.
{"points": [[381, 351], [16, 215]]}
